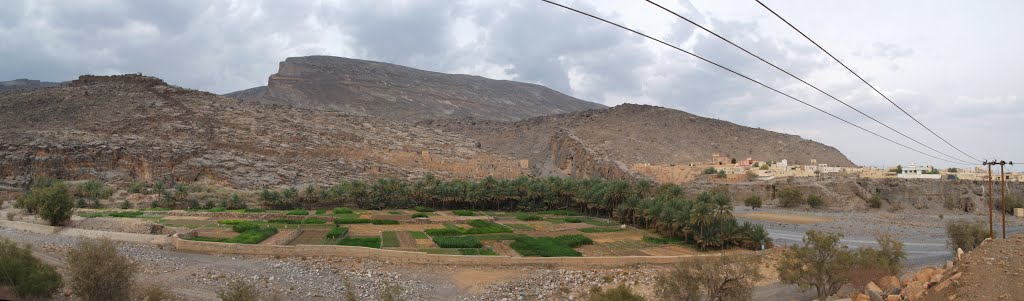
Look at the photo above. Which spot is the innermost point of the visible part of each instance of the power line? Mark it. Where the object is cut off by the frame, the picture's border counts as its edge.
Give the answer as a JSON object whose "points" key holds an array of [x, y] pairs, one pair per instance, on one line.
{"points": [[743, 76], [865, 81], [802, 80]]}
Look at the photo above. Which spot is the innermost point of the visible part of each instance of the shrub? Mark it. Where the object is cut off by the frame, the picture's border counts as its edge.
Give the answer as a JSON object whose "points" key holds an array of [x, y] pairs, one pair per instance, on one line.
{"points": [[284, 221], [444, 232], [542, 247], [528, 217], [790, 197], [419, 215], [619, 293], [573, 220], [239, 290], [716, 278], [457, 242], [601, 230], [254, 210], [126, 214], [98, 272], [369, 242], [875, 201], [126, 205], [54, 203], [313, 221], [721, 174], [391, 292], [231, 221], [321, 211], [337, 232], [137, 187], [341, 210], [298, 212], [710, 171], [25, 274], [209, 205], [574, 240], [422, 209], [217, 209], [253, 236], [244, 226], [871, 264], [344, 221], [237, 203], [464, 212], [154, 293], [383, 222], [815, 201], [753, 201], [822, 262], [965, 235]]}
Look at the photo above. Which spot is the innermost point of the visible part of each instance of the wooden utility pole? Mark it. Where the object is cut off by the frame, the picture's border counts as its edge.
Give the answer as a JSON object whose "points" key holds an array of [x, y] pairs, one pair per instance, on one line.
{"points": [[1002, 194]]}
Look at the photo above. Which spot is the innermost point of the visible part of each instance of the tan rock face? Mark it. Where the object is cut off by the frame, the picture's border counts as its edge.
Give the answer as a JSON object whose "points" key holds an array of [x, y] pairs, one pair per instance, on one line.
{"points": [[924, 274], [872, 287]]}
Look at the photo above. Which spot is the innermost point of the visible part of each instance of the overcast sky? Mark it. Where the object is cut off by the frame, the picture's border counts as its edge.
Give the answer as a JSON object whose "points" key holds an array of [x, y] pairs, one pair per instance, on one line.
{"points": [[954, 65]]}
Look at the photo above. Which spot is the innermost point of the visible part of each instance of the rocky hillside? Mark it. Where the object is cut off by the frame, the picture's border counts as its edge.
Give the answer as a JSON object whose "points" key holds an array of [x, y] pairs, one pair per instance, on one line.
{"points": [[24, 85], [606, 142], [394, 92], [123, 128]]}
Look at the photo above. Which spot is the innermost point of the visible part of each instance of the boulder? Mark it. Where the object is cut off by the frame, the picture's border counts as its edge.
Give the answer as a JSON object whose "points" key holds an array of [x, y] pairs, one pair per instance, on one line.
{"points": [[861, 297], [924, 274], [889, 283], [913, 290], [959, 254], [874, 296], [872, 287], [893, 298], [949, 265]]}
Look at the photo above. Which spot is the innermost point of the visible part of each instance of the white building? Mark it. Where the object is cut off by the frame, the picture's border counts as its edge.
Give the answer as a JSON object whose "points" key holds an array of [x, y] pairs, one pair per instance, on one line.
{"points": [[917, 172]]}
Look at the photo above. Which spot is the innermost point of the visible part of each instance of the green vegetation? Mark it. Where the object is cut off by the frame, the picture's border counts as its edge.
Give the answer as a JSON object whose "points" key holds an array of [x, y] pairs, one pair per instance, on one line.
{"points": [[601, 230], [523, 227], [790, 197], [239, 290], [341, 210], [477, 251], [875, 201], [825, 264], [419, 215], [321, 211], [464, 212], [138, 187], [253, 236], [484, 227], [244, 226], [618, 293], [457, 242], [753, 202], [93, 190], [661, 240], [313, 221], [383, 222], [498, 236], [418, 235], [369, 242], [389, 239], [444, 232], [253, 210], [337, 232], [710, 171], [965, 235], [395, 212], [560, 212], [422, 209], [573, 220], [50, 199], [528, 217], [344, 221], [30, 278], [815, 201], [721, 174], [297, 212], [126, 214], [546, 246]]}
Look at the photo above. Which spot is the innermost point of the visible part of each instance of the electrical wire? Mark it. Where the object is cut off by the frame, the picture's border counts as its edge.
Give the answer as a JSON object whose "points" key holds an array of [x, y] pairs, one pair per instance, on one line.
{"points": [[743, 76], [865, 81], [802, 80]]}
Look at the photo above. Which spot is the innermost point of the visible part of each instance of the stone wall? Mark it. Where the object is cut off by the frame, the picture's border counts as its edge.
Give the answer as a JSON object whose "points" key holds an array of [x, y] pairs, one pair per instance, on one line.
{"points": [[572, 157]]}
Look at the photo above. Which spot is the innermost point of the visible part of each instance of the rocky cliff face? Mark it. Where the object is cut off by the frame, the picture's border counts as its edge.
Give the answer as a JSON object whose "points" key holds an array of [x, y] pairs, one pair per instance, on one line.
{"points": [[123, 128], [627, 135], [400, 93]]}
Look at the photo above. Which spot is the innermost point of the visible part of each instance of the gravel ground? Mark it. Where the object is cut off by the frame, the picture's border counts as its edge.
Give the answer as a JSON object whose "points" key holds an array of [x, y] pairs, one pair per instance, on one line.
{"points": [[199, 276]]}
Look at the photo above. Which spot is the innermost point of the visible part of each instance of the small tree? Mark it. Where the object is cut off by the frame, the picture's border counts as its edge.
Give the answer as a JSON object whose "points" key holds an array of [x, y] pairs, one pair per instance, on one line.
{"points": [[756, 164], [619, 293], [709, 171], [790, 197], [753, 201], [717, 278], [872, 264], [54, 203], [29, 278], [733, 161], [875, 201], [821, 263], [99, 272], [721, 174]]}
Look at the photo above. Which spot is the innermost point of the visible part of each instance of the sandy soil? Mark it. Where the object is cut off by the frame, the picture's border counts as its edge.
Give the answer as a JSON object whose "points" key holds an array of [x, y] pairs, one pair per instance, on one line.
{"points": [[787, 218], [475, 280], [281, 238]]}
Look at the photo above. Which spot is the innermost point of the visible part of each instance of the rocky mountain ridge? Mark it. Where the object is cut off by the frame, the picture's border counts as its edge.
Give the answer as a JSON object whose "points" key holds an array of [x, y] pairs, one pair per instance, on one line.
{"points": [[368, 88]]}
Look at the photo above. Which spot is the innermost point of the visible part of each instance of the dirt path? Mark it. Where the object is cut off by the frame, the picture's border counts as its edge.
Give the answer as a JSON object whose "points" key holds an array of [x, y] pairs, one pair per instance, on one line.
{"points": [[784, 217], [406, 241]]}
